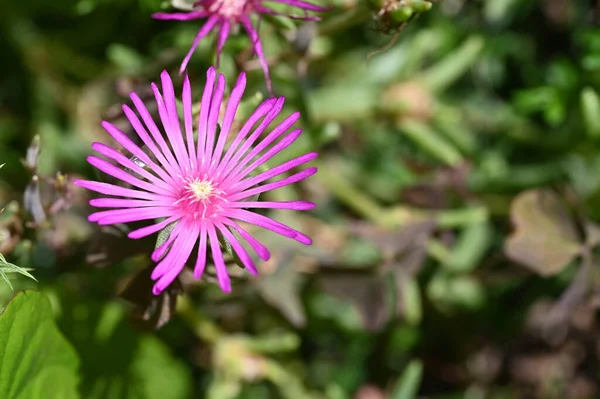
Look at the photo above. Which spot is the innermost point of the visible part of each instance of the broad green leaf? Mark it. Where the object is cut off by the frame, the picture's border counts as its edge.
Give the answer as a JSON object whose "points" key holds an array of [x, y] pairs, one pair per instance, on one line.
{"points": [[116, 361], [36, 361], [152, 374]]}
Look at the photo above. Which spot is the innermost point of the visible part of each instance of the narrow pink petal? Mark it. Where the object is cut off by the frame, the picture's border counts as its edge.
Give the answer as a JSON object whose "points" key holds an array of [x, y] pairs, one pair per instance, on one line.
{"points": [[232, 107], [129, 215], [273, 172], [204, 112], [258, 49], [129, 145], [293, 205], [231, 164], [160, 251], [125, 203], [183, 252], [223, 35], [201, 260], [163, 155], [267, 223], [186, 98], [118, 191], [303, 5], [205, 30], [128, 163], [274, 185], [238, 248], [148, 230], [260, 249], [222, 275], [171, 128], [213, 117], [262, 110], [271, 152], [181, 16], [120, 174], [175, 136]]}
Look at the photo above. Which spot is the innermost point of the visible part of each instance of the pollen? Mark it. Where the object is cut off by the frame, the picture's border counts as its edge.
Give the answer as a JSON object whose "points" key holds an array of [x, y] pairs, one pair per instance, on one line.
{"points": [[201, 190]]}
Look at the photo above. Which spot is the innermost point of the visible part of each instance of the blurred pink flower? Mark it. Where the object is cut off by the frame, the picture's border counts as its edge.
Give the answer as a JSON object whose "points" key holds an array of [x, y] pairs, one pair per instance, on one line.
{"points": [[202, 184], [224, 14]]}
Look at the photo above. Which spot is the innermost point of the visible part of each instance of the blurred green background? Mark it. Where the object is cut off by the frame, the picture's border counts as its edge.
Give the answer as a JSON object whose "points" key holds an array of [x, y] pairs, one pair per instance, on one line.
{"points": [[455, 234]]}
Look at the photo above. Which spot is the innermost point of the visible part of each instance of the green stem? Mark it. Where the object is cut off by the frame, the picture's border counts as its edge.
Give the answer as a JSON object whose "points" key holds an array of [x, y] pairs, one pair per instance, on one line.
{"points": [[361, 13], [353, 197], [203, 328]]}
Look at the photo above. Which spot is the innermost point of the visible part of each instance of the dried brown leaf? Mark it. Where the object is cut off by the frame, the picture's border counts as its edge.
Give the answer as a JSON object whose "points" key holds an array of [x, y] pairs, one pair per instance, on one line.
{"points": [[545, 238]]}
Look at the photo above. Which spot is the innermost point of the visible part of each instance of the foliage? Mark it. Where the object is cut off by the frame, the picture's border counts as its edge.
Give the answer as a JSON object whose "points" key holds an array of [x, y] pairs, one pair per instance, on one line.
{"points": [[456, 232]]}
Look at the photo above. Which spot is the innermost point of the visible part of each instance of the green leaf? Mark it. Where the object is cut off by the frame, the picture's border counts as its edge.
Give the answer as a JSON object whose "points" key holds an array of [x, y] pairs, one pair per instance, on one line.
{"points": [[6, 267], [470, 247], [590, 108], [443, 74], [118, 362], [431, 142], [409, 382], [36, 360]]}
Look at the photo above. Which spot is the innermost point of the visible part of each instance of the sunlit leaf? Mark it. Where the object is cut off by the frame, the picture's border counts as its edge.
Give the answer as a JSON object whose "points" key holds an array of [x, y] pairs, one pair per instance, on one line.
{"points": [[36, 362]]}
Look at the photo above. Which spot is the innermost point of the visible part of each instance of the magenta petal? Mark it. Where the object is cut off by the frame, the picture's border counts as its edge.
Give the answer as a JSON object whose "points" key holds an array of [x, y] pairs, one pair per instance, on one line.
{"points": [[222, 38], [110, 189], [303, 5], [213, 118], [274, 172], [120, 174], [260, 249], [293, 205], [188, 119], [258, 49], [283, 144], [129, 215], [217, 254], [124, 203], [163, 155], [148, 230], [181, 16], [205, 30], [111, 153], [159, 252], [174, 134], [274, 185], [232, 106], [182, 252], [269, 224], [232, 164], [201, 260], [263, 109], [204, 112], [238, 248]]}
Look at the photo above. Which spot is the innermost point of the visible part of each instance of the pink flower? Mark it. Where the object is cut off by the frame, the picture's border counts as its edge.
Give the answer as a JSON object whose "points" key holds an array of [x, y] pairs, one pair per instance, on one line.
{"points": [[201, 183], [225, 14]]}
